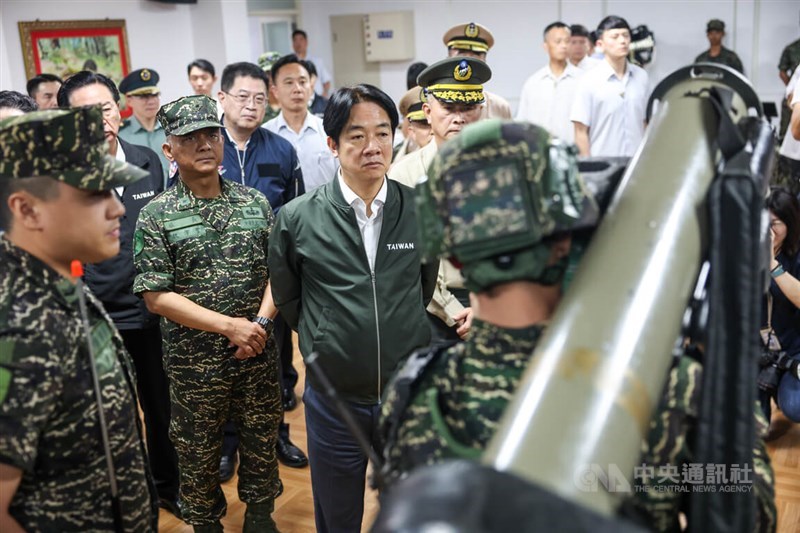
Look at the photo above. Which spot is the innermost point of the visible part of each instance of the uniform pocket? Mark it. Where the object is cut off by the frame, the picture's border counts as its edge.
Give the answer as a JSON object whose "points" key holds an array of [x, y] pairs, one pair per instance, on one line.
{"points": [[322, 326]]}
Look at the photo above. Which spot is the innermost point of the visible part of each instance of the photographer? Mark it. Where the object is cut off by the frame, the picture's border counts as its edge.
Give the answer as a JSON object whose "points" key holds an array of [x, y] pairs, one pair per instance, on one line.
{"points": [[780, 375]]}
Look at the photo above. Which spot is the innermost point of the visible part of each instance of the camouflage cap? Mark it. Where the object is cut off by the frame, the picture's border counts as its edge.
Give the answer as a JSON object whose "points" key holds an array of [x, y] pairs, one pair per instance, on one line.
{"points": [[267, 59], [491, 196], [456, 80], [64, 144], [188, 114]]}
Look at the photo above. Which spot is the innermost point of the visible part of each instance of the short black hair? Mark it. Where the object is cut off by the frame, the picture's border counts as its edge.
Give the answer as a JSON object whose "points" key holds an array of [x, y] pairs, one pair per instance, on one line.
{"points": [[15, 100], [243, 69], [341, 105], [593, 37], [202, 64], [82, 79], [579, 30], [288, 59], [33, 84], [612, 22], [295, 33], [310, 67], [40, 187], [413, 73], [553, 25], [786, 207]]}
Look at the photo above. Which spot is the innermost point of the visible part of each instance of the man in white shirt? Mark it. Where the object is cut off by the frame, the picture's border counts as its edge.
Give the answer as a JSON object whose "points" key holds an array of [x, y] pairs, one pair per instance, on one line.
{"points": [[546, 97], [609, 107], [300, 47], [579, 45], [291, 87]]}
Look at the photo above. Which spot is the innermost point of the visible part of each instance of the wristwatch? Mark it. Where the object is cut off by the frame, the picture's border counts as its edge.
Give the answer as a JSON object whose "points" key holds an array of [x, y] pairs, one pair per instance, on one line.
{"points": [[265, 323]]}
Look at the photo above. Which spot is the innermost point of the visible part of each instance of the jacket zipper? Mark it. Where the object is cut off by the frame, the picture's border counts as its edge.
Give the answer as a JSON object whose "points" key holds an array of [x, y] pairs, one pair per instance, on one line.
{"points": [[377, 329]]}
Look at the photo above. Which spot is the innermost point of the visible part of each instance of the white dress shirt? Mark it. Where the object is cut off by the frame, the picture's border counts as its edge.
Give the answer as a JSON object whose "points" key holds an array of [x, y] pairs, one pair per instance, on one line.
{"points": [[546, 100], [588, 62], [311, 144], [120, 156], [612, 108], [370, 226]]}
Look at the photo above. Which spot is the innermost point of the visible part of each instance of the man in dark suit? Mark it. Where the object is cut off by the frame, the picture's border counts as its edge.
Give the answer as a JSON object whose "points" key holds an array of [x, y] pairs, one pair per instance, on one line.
{"points": [[112, 281]]}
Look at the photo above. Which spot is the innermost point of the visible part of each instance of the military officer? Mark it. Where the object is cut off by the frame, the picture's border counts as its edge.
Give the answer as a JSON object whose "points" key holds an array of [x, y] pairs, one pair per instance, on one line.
{"points": [[200, 251], [143, 96], [416, 129], [715, 31], [474, 40], [513, 276], [57, 205], [454, 93]]}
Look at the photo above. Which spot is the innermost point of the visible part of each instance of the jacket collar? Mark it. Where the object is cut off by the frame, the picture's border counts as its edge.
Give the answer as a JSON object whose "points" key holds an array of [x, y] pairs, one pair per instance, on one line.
{"points": [[334, 193], [133, 155]]}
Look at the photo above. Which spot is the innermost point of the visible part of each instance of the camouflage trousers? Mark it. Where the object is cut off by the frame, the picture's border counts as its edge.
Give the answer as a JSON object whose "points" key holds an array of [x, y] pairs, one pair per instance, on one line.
{"points": [[205, 391]]}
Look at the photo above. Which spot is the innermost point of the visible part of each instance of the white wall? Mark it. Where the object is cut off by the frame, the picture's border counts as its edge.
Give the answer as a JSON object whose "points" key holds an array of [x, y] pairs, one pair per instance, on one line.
{"points": [[160, 36], [167, 37], [679, 26]]}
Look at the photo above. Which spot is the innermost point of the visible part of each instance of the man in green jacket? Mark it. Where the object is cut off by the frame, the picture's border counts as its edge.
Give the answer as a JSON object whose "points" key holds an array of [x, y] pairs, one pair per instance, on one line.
{"points": [[345, 267]]}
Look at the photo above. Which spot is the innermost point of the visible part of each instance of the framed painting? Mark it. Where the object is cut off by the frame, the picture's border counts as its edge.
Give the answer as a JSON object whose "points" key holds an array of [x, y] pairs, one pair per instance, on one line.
{"points": [[64, 47]]}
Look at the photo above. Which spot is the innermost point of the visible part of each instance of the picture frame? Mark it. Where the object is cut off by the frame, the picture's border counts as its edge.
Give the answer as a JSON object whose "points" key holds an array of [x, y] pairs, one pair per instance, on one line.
{"points": [[64, 47]]}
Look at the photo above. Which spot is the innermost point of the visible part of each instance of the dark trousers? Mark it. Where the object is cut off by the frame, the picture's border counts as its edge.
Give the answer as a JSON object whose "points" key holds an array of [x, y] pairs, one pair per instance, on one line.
{"points": [[144, 346], [338, 464], [283, 338]]}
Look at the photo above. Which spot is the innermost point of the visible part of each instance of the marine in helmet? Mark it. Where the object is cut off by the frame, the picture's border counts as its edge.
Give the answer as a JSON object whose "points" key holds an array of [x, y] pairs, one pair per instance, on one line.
{"points": [[499, 203]]}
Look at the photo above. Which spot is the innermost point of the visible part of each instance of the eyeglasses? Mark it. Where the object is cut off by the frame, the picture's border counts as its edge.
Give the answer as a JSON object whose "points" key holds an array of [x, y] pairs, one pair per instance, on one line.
{"points": [[258, 99]]}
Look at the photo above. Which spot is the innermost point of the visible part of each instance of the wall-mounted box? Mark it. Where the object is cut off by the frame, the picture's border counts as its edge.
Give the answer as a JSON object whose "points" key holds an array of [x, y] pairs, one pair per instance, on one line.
{"points": [[389, 36]]}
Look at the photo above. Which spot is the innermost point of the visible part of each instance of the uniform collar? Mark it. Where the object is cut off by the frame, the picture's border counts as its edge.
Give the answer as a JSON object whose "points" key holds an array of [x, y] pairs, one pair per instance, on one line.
{"points": [[187, 200], [136, 126], [505, 340], [32, 266], [608, 70], [570, 70]]}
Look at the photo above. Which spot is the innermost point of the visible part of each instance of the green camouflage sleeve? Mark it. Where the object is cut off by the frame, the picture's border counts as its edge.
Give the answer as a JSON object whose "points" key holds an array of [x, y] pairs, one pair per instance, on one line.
{"points": [[266, 208], [30, 383], [155, 268]]}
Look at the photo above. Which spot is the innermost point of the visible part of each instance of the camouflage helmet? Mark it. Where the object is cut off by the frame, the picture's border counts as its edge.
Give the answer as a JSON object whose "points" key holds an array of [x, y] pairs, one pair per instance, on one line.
{"points": [[63, 144], [493, 194], [188, 114], [267, 59]]}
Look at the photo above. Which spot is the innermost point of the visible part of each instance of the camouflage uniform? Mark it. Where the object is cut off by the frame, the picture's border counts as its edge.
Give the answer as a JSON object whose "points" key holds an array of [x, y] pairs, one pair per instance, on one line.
{"points": [[725, 57], [453, 406], [49, 426], [213, 251], [669, 444]]}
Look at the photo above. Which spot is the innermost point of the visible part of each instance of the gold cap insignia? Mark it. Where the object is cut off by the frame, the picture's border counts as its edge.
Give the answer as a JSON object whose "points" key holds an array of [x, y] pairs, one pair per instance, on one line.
{"points": [[471, 30], [462, 72]]}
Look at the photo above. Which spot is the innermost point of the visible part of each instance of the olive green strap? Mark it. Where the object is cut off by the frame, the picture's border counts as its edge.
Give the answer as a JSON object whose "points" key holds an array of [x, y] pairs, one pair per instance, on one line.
{"points": [[465, 452]]}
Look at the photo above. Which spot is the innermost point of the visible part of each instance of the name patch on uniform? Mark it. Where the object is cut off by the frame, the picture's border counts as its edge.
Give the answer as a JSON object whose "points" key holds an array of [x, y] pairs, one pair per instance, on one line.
{"points": [[400, 246], [252, 218], [141, 195], [186, 233]]}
